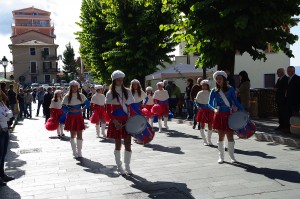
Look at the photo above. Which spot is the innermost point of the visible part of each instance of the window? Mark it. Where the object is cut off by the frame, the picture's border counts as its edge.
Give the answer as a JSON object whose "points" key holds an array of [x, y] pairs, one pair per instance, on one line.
{"points": [[33, 67], [269, 80], [32, 51], [46, 51], [33, 79], [43, 23], [47, 65], [47, 78]]}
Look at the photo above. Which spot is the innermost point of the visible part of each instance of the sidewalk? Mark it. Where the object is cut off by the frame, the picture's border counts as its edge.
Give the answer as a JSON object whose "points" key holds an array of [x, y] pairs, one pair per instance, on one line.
{"points": [[174, 165], [265, 132]]}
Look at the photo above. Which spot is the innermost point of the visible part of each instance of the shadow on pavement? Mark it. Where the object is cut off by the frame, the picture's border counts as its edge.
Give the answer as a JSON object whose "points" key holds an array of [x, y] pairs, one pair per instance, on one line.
{"points": [[107, 140], [157, 147], [274, 174], [97, 168], [177, 134], [254, 153], [157, 190], [9, 193]]}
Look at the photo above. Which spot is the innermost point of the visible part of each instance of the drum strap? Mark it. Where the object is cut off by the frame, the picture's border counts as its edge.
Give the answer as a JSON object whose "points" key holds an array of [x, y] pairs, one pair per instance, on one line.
{"points": [[224, 98]]}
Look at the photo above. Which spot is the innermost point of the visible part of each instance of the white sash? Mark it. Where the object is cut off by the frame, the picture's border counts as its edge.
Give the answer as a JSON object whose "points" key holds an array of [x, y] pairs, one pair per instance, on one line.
{"points": [[224, 98], [122, 103]]}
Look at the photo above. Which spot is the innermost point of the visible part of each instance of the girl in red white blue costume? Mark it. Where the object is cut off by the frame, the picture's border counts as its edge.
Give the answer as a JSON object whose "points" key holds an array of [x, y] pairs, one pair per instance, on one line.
{"points": [[205, 113], [98, 107], [56, 111], [149, 103], [138, 94], [118, 100], [161, 98], [74, 123], [223, 101]]}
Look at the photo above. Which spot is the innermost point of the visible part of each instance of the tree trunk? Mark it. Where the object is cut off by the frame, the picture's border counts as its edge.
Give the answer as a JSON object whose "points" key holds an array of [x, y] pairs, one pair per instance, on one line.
{"points": [[204, 72], [227, 62]]}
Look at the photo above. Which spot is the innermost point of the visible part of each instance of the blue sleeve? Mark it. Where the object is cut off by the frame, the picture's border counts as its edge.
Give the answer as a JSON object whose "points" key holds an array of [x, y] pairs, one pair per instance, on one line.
{"points": [[234, 99], [211, 101], [65, 108], [86, 104]]}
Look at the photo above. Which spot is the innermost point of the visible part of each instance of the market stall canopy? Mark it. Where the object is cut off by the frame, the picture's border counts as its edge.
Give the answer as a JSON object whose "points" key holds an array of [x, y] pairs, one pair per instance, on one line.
{"points": [[177, 71]]}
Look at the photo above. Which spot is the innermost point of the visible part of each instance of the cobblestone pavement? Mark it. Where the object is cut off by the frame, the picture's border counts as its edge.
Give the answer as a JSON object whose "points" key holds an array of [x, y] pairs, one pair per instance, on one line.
{"points": [[174, 165]]}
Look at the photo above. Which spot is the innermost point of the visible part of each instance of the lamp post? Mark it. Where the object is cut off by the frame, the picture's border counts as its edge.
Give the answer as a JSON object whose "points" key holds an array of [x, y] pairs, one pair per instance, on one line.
{"points": [[4, 62]]}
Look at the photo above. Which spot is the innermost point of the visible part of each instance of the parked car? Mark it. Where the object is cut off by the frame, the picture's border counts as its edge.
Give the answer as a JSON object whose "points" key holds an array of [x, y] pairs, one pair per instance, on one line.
{"points": [[66, 85], [56, 85], [34, 85], [45, 86]]}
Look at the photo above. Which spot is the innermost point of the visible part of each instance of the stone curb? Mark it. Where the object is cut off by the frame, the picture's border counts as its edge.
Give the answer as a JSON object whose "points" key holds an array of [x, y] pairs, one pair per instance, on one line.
{"points": [[260, 136]]}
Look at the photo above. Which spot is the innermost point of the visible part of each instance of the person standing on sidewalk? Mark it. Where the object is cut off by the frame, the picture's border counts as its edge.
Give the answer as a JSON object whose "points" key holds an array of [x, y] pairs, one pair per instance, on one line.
{"points": [[21, 101], [221, 100], [40, 98], [187, 98], [149, 103], [46, 103], [161, 98], [28, 104], [195, 89], [74, 123], [138, 94], [98, 108], [244, 90], [118, 100], [12, 98], [56, 111], [5, 115], [205, 113]]}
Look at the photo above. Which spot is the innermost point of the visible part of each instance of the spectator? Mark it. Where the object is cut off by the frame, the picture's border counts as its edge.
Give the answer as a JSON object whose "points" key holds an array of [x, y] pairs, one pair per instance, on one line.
{"points": [[244, 90], [85, 93], [89, 97], [34, 95], [47, 101], [195, 89], [28, 99], [174, 97], [187, 98], [280, 98], [5, 115], [12, 98], [292, 94], [230, 79], [167, 86], [21, 101], [4, 94], [40, 99]]}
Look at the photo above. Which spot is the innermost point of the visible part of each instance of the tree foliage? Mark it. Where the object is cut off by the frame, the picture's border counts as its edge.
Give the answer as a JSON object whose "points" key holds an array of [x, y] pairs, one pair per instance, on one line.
{"points": [[124, 35], [217, 29], [70, 66]]}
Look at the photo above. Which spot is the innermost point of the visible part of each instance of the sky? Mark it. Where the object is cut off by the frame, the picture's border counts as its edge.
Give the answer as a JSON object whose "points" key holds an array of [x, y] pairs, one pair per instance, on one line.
{"points": [[64, 14]]}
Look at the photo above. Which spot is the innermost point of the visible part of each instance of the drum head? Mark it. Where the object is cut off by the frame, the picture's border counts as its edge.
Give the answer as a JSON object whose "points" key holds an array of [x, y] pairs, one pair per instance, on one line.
{"points": [[238, 120], [136, 124]]}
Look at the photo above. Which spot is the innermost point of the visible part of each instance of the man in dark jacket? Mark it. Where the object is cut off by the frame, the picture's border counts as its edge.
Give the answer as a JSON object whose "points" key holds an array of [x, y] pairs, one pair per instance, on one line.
{"points": [[195, 89], [47, 101], [21, 100], [292, 93], [280, 97], [40, 98], [12, 98], [187, 98]]}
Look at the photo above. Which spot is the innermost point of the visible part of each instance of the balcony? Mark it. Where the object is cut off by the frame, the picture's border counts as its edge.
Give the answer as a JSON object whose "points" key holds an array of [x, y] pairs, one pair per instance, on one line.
{"points": [[49, 57], [50, 70], [30, 16]]}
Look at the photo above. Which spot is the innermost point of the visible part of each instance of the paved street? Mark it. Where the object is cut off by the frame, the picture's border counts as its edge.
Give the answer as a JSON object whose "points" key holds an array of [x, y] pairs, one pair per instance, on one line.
{"points": [[174, 165]]}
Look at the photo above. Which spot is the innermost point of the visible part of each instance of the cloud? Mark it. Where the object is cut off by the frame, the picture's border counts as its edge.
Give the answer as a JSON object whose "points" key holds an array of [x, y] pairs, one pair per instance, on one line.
{"points": [[64, 14]]}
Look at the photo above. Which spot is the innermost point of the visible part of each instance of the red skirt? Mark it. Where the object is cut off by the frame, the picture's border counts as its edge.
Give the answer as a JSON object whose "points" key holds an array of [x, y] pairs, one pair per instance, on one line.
{"points": [[164, 110], [112, 131], [56, 113], [149, 107], [220, 121], [205, 115], [74, 122], [98, 114]]}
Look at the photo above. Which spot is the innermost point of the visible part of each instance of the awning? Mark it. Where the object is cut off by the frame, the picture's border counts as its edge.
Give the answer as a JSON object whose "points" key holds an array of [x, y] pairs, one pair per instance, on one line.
{"points": [[178, 71]]}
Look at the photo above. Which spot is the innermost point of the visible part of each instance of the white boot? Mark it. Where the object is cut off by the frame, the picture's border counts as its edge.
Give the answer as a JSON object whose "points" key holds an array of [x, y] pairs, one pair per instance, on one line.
{"points": [[103, 125], [221, 151], [74, 147], [79, 147], [61, 126], [159, 126], [151, 122], [203, 137], [98, 130], [127, 158], [231, 152], [166, 122], [120, 169], [209, 133]]}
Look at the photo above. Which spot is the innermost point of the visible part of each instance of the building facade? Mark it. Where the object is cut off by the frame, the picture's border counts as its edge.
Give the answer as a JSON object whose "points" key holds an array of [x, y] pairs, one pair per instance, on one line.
{"points": [[33, 49]]}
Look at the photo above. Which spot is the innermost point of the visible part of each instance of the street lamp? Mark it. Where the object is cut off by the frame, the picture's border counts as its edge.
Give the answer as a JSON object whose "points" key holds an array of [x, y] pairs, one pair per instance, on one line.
{"points": [[4, 62]]}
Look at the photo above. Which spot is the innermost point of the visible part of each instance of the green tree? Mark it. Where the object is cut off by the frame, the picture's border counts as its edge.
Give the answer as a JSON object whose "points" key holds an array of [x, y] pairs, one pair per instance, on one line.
{"points": [[70, 67], [216, 30], [124, 35]]}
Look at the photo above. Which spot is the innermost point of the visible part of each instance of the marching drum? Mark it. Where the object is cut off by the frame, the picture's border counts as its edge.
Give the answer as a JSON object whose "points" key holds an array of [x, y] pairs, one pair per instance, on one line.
{"points": [[140, 129], [241, 124]]}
